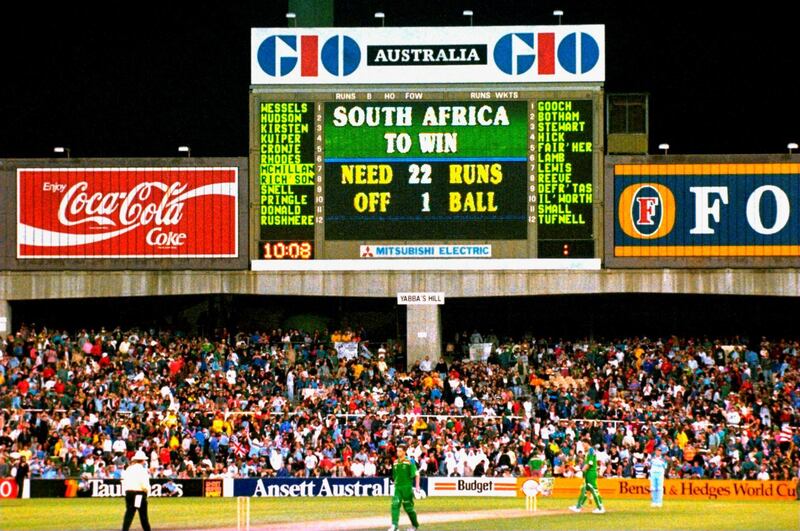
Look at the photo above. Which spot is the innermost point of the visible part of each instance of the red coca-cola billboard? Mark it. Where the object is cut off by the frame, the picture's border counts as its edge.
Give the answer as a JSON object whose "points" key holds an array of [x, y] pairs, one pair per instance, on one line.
{"points": [[127, 212]]}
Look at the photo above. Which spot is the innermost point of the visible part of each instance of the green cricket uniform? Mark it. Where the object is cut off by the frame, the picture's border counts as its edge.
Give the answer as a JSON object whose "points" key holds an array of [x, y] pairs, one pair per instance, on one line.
{"points": [[404, 474], [536, 464], [590, 480]]}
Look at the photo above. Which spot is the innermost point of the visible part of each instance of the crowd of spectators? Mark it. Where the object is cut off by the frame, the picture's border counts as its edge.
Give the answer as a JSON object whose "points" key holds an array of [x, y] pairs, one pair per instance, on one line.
{"points": [[285, 404]]}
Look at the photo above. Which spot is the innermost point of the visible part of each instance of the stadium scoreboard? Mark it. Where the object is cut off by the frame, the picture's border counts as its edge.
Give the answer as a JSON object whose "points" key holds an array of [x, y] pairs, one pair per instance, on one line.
{"points": [[511, 170]]}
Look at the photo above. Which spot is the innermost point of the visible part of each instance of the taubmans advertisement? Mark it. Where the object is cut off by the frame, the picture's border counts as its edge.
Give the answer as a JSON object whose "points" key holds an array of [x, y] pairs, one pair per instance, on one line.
{"points": [[110, 488]]}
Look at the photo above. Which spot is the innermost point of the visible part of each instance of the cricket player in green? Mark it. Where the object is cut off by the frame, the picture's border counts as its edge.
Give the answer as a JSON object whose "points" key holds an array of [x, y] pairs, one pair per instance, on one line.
{"points": [[536, 464], [405, 474], [590, 483]]}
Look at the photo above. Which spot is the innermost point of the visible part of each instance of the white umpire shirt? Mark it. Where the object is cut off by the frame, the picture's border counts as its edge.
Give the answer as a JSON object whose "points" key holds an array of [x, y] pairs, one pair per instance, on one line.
{"points": [[135, 478]]}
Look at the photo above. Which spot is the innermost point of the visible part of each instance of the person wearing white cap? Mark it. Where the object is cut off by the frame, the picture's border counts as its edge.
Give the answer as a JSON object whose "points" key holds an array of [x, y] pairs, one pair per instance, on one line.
{"points": [[136, 486]]}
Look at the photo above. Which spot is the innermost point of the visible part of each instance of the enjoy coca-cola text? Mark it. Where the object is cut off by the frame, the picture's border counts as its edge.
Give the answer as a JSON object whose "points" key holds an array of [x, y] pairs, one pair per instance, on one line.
{"points": [[140, 206]]}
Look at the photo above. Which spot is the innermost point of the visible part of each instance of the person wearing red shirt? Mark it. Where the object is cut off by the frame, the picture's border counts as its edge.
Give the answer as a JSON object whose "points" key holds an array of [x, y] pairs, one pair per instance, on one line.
{"points": [[327, 465], [163, 456], [649, 448], [347, 453]]}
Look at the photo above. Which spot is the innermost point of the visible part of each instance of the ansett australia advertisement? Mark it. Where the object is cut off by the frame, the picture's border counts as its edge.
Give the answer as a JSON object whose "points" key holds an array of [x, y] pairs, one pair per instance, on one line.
{"points": [[314, 487]]}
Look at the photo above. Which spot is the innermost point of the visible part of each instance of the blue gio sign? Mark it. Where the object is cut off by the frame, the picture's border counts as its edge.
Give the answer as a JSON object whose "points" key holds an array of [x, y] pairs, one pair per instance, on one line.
{"points": [[313, 487], [515, 53], [710, 210], [279, 55], [397, 55]]}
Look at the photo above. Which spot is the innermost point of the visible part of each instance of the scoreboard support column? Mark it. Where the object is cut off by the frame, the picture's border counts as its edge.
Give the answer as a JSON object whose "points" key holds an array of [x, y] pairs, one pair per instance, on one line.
{"points": [[5, 317], [423, 332]]}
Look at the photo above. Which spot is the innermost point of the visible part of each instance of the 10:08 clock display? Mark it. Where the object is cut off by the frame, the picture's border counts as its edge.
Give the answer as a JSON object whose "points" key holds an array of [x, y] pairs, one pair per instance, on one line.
{"points": [[287, 250]]}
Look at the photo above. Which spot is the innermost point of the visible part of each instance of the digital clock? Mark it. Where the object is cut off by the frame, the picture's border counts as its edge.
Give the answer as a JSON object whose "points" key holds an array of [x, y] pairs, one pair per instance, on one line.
{"points": [[287, 250]]}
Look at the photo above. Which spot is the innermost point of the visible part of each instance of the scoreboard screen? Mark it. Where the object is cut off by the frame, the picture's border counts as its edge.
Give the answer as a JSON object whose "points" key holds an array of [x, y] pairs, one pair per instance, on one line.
{"points": [[503, 168], [417, 171]]}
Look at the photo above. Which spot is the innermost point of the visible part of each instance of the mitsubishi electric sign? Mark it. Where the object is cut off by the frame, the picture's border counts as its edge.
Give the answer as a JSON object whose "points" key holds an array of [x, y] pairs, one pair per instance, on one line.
{"points": [[491, 54]]}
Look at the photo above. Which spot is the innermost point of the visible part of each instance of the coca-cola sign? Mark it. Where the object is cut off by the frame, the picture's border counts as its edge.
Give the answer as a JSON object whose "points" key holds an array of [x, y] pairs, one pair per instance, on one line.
{"points": [[127, 212]]}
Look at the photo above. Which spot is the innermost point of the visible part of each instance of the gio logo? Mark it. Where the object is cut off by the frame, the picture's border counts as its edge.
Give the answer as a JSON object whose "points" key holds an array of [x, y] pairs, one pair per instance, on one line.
{"points": [[646, 211], [278, 55], [515, 53]]}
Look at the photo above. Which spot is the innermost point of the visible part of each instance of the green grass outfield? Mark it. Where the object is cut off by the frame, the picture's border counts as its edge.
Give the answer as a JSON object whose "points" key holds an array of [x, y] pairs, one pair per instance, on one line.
{"points": [[200, 513]]}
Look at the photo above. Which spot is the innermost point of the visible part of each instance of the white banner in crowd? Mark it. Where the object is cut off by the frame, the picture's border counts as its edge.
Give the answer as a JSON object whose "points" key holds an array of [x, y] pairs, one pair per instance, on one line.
{"points": [[480, 351], [346, 350]]}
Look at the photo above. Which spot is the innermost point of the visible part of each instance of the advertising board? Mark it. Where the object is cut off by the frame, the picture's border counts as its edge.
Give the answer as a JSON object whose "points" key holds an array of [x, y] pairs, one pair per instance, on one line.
{"points": [[480, 487], [8, 488], [109, 488], [313, 487], [685, 489], [127, 212], [486, 54], [613, 488], [690, 214]]}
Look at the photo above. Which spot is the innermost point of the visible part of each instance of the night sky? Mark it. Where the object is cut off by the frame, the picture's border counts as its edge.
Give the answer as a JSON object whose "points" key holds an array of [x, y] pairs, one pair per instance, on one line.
{"points": [[138, 79]]}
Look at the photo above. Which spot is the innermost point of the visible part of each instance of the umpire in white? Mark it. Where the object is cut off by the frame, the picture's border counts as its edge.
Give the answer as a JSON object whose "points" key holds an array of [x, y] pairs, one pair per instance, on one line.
{"points": [[136, 486]]}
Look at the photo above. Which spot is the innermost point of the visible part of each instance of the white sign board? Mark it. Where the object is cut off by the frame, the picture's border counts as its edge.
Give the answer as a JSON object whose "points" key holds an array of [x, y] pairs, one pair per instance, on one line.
{"points": [[346, 350], [425, 251], [4, 325], [485, 54], [428, 297], [483, 487], [480, 351]]}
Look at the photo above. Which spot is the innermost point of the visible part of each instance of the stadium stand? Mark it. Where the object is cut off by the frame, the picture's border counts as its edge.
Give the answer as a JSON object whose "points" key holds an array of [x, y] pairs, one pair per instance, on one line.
{"points": [[283, 403]]}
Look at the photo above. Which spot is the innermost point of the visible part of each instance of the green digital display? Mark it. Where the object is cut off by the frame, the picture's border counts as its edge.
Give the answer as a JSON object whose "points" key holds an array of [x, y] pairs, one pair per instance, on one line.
{"points": [[426, 170], [286, 171], [564, 150]]}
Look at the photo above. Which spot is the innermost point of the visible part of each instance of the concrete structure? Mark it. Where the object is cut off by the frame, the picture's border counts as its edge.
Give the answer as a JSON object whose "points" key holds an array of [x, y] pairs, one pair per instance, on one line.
{"points": [[5, 317], [27, 280]]}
